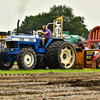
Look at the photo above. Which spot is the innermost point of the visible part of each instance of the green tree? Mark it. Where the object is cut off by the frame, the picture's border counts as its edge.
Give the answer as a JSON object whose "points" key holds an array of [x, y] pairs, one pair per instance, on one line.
{"points": [[74, 24]]}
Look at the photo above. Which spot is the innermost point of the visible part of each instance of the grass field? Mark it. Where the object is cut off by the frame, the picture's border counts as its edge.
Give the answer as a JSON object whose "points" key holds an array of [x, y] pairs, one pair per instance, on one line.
{"points": [[48, 71]]}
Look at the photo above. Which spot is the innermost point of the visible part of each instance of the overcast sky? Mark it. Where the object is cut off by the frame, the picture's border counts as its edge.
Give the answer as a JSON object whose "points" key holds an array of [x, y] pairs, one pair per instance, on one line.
{"points": [[12, 10]]}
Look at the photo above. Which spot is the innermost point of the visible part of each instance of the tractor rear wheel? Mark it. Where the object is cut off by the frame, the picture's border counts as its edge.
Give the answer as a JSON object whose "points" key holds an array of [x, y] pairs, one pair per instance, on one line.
{"points": [[51, 55], [5, 65], [98, 63], [66, 55], [26, 59]]}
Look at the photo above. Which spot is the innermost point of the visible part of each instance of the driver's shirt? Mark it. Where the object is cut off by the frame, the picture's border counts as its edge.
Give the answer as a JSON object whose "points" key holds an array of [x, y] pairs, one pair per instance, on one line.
{"points": [[48, 35]]}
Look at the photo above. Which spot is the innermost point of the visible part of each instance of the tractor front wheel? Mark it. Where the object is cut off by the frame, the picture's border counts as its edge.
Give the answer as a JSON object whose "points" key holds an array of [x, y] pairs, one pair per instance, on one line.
{"points": [[26, 59], [4, 63]]}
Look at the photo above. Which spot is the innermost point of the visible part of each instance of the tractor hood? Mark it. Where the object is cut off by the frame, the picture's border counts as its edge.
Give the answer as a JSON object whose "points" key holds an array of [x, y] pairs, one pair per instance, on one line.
{"points": [[33, 38]]}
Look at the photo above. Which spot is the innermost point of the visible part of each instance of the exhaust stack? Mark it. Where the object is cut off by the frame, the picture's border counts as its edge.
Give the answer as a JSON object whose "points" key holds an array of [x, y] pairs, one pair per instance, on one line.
{"points": [[18, 26]]}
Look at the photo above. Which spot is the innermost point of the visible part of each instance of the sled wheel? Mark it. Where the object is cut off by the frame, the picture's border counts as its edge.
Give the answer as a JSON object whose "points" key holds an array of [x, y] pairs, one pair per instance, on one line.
{"points": [[98, 63]]}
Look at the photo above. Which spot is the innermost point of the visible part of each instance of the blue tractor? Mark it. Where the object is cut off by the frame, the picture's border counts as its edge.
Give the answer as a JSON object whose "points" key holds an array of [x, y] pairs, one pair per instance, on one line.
{"points": [[26, 51]]}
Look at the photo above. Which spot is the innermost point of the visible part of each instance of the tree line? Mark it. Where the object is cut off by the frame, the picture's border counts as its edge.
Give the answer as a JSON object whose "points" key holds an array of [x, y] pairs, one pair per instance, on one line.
{"points": [[74, 24]]}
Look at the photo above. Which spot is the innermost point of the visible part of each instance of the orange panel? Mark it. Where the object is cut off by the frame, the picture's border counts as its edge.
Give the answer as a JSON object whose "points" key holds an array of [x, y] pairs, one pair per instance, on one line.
{"points": [[93, 35], [79, 60], [99, 34], [96, 34], [4, 36]]}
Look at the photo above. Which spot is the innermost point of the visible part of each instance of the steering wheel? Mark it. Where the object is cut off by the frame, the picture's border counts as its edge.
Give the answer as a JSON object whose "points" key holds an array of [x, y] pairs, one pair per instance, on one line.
{"points": [[40, 34]]}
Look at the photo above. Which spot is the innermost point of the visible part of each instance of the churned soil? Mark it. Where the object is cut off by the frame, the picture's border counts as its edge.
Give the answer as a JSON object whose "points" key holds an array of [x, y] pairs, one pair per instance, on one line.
{"points": [[50, 86]]}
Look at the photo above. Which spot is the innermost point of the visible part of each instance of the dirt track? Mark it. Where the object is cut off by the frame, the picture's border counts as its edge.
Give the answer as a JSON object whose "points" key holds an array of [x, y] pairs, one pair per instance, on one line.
{"points": [[77, 86]]}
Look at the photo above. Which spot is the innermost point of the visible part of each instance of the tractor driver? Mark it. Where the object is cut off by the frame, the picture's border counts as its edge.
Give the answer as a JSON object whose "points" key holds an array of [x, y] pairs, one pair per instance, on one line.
{"points": [[47, 34]]}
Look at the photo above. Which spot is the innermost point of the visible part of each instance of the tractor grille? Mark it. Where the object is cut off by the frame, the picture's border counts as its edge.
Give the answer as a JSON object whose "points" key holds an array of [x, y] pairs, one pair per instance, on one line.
{"points": [[12, 44]]}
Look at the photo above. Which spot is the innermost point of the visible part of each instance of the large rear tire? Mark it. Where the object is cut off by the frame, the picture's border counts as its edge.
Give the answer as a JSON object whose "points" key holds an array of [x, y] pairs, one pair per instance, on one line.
{"points": [[5, 65], [66, 55], [51, 55], [26, 59]]}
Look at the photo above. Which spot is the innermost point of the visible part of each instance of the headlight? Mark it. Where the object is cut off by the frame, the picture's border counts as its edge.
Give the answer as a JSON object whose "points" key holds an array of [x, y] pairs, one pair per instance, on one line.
{"points": [[8, 39]]}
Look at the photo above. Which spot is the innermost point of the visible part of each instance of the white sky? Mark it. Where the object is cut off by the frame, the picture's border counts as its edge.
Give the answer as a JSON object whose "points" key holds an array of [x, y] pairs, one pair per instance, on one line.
{"points": [[90, 9]]}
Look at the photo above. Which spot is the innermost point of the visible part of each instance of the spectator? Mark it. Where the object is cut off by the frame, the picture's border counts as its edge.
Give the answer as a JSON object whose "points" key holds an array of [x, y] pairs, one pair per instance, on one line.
{"points": [[86, 47], [95, 46], [80, 44], [1, 45], [98, 47], [92, 45]]}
